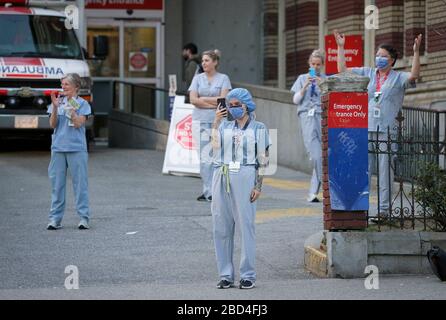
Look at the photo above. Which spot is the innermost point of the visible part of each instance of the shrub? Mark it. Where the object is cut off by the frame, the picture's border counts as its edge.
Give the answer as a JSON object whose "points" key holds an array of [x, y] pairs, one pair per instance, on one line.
{"points": [[430, 193]]}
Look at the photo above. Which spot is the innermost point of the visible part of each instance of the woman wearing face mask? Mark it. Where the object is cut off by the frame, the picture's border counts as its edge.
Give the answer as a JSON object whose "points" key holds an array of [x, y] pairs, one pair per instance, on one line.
{"points": [[307, 97], [241, 154], [386, 93], [205, 89]]}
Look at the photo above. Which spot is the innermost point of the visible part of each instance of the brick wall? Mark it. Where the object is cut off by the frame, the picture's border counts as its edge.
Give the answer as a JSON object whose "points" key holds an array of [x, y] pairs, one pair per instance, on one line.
{"points": [[270, 28], [301, 32], [436, 41], [347, 16]]}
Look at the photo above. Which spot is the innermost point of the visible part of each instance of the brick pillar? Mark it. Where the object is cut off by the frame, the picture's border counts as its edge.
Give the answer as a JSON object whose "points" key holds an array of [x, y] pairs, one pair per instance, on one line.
{"points": [[350, 90]]}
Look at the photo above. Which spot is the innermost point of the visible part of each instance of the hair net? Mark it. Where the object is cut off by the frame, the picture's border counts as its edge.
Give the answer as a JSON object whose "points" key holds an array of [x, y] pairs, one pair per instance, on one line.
{"points": [[243, 96]]}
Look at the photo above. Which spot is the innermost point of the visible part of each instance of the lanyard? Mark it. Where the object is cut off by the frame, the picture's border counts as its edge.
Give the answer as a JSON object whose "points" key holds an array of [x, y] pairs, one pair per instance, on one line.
{"points": [[237, 138], [378, 80]]}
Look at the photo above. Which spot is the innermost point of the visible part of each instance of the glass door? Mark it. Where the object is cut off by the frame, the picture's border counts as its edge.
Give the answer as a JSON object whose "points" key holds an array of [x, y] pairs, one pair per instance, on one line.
{"points": [[134, 57]]}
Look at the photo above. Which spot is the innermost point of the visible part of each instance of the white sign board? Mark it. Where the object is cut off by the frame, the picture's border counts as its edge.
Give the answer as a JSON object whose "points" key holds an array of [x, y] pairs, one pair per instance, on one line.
{"points": [[181, 155]]}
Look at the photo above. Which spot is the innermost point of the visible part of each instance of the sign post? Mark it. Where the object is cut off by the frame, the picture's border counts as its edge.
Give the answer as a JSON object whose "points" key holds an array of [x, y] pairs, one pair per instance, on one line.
{"points": [[345, 151]]}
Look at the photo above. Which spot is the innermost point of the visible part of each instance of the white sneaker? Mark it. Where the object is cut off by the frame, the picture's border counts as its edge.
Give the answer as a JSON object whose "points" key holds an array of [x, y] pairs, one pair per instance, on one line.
{"points": [[83, 225], [312, 198]]}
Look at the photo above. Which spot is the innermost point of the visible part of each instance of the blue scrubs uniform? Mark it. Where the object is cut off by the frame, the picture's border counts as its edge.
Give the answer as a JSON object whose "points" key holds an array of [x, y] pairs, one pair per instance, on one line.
{"points": [[204, 118], [309, 112], [231, 189], [69, 151], [389, 104]]}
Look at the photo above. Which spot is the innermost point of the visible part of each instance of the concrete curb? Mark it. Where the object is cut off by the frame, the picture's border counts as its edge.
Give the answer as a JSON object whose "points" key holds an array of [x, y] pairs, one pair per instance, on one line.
{"points": [[349, 253]]}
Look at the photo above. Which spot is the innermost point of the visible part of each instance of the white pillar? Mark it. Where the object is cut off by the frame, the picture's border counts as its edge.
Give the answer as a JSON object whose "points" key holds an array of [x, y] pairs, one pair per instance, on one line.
{"points": [[323, 29], [369, 41], [281, 46], [82, 31]]}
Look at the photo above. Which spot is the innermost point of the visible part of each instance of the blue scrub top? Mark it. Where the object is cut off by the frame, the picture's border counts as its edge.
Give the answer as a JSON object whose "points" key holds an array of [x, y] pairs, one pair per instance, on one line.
{"points": [[67, 138], [307, 102], [204, 88], [391, 100], [253, 140]]}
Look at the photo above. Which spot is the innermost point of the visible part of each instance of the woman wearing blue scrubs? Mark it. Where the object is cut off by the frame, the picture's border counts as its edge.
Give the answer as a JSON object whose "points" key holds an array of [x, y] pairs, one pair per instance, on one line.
{"points": [[307, 97], [205, 89], [240, 157], [68, 114], [386, 94]]}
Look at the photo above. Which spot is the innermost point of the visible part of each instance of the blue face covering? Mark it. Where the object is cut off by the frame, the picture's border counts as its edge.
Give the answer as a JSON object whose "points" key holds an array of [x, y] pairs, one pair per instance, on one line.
{"points": [[236, 112], [381, 62]]}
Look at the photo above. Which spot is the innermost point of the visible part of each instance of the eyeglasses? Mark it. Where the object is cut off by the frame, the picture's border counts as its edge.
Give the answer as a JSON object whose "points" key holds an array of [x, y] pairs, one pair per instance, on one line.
{"points": [[235, 106]]}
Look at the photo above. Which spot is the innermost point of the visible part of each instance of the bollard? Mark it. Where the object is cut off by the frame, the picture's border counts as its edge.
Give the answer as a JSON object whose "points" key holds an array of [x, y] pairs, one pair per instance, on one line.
{"points": [[345, 151]]}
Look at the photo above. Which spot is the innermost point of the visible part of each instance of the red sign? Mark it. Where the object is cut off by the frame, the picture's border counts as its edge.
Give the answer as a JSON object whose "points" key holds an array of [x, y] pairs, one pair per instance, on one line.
{"points": [[138, 61], [353, 49], [125, 4], [183, 133], [348, 110]]}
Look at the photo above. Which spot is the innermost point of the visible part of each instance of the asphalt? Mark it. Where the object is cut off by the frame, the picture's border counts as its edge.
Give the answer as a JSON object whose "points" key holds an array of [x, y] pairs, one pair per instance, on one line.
{"points": [[151, 239]]}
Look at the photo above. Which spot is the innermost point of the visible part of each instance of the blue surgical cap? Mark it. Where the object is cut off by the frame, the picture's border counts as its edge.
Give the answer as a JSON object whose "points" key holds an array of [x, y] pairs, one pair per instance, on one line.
{"points": [[243, 96]]}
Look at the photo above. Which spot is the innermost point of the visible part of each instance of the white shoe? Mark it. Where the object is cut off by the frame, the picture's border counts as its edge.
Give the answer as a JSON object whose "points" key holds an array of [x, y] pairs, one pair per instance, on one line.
{"points": [[312, 198]]}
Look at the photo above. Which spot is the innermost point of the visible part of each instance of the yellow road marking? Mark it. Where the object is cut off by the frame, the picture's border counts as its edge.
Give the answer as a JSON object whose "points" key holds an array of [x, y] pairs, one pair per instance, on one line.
{"points": [[265, 215], [286, 184]]}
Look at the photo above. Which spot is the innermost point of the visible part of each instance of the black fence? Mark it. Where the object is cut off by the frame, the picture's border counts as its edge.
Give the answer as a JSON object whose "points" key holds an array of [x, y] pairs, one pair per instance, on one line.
{"points": [[143, 99], [418, 139]]}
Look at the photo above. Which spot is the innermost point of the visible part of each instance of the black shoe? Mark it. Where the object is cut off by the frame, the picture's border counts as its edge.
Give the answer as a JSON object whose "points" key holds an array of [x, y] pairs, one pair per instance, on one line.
{"points": [[210, 198], [246, 284], [224, 284], [202, 198], [380, 218]]}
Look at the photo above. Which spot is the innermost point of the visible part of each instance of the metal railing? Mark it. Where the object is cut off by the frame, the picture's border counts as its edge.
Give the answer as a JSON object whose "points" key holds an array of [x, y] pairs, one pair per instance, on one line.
{"points": [[142, 99], [419, 138]]}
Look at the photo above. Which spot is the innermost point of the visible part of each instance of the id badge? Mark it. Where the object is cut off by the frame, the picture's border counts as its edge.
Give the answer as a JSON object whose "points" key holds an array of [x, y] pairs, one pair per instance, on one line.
{"points": [[234, 166], [376, 112], [311, 112]]}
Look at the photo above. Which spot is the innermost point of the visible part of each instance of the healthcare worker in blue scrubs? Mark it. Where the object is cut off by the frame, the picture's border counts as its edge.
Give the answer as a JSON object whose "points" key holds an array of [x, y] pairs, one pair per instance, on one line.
{"points": [[386, 94], [307, 97], [68, 114], [204, 90], [240, 158]]}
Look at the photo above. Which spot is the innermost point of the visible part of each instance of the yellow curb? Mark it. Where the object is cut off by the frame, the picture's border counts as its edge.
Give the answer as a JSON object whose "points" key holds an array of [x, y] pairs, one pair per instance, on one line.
{"points": [[266, 215], [286, 184]]}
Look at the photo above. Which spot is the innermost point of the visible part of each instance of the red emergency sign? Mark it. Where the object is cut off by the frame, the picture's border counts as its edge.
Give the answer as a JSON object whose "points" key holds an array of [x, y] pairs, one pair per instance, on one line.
{"points": [[348, 110], [353, 49], [125, 4]]}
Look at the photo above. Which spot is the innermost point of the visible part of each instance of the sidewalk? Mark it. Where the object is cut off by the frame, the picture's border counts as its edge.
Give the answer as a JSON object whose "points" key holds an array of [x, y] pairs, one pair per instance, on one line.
{"points": [[151, 239]]}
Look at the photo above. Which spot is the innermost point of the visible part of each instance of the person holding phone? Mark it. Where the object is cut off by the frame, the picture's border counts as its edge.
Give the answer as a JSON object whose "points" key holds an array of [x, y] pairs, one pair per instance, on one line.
{"points": [[205, 89], [307, 97], [241, 156], [386, 90], [68, 114]]}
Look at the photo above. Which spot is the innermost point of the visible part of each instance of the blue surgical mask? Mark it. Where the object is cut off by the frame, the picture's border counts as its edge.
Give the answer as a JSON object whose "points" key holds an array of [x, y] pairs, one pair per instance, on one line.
{"points": [[236, 112], [381, 62]]}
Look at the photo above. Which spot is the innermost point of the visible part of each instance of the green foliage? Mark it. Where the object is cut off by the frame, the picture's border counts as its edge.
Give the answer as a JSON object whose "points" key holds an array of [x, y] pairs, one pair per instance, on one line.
{"points": [[430, 193]]}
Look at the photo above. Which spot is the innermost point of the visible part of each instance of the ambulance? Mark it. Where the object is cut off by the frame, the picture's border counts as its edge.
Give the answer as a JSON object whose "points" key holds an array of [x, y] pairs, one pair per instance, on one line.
{"points": [[36, 50]]}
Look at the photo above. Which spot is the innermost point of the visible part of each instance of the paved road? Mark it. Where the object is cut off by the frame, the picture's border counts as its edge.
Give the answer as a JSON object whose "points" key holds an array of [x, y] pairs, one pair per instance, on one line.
{"points": [[150, 238]]}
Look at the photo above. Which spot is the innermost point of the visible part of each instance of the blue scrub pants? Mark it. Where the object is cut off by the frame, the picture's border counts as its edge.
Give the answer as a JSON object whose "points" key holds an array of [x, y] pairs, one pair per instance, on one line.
{"points": [[312, 137], [385, 170], [77, 163], [230, 210], [206, 166]]}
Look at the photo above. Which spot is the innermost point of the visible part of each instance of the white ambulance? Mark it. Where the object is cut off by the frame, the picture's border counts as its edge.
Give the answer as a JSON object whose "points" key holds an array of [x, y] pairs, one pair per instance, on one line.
{"points": [[36, 49]]}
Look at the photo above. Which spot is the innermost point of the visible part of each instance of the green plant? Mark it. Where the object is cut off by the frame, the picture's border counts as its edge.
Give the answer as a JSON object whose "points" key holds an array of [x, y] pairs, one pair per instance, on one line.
{"points": [[430, 193]]}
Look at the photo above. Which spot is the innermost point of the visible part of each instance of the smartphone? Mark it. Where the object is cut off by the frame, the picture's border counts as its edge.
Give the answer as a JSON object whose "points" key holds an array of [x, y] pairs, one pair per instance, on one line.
{"points": [[221, 103], [312, 72]]}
